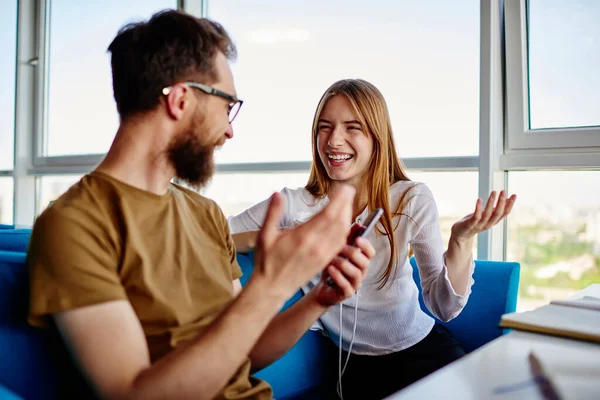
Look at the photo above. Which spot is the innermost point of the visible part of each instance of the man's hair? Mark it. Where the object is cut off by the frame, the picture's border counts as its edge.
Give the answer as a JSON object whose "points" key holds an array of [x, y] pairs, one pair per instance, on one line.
{"points": [[170, 47]]}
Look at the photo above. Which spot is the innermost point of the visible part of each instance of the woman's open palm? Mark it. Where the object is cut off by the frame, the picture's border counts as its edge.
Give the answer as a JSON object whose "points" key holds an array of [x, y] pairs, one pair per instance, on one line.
{"points": [[497, 207]]}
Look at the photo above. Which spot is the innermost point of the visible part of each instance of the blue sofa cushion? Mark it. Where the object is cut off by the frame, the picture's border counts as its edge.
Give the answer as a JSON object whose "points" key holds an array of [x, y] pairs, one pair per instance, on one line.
{"points": [[25, 368], [16, 240], [13, 288], [4, 226], [34, 363], [6, 394], [493, 294]]}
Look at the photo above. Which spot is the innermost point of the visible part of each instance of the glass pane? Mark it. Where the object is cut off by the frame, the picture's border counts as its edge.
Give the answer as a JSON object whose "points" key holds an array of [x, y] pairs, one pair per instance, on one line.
{"points": [[554, 232], [564, 60], [52, 186], [423, 56], [452, 204], [82, 113], [6, 200], [235, 193], [8, 49]]}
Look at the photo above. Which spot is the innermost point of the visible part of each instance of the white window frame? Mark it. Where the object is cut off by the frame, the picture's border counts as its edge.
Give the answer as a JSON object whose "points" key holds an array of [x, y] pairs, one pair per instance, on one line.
{"points": [[31, 163], [519, 136], [41, 163], [25, 115], [491, 244]]}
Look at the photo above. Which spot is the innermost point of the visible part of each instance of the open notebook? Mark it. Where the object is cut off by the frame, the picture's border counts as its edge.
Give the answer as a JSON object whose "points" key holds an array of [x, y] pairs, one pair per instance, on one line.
{"points": [[568, 375], [577, 319]]}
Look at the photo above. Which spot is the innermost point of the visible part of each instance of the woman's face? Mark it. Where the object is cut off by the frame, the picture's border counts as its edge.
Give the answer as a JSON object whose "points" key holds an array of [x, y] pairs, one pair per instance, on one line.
{"points": [[345, 148]]}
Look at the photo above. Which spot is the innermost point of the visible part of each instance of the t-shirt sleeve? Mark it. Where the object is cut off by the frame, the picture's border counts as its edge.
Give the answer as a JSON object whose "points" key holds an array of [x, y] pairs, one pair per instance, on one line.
{"points": [[236, 271], [72, 264]]}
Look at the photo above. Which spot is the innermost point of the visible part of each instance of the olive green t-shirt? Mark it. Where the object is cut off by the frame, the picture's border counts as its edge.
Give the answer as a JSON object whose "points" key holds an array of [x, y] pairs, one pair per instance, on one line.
{"points": [[170, 256]]}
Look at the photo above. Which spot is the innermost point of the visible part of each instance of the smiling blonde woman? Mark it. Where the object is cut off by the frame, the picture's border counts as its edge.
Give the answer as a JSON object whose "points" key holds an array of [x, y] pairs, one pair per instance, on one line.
{"points": [[392, 341]]}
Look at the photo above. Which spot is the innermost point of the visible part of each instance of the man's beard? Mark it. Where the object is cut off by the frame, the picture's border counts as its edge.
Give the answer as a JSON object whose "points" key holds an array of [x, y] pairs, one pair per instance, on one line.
{"points": [[192, 159]]}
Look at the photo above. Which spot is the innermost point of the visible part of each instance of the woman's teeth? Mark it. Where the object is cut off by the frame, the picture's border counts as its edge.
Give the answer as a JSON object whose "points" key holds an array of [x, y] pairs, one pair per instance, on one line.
{"points": [[339, 157]]}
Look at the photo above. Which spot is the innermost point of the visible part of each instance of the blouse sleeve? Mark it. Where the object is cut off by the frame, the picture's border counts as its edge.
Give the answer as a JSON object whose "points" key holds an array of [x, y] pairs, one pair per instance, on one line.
{"points": [[426, 240]]}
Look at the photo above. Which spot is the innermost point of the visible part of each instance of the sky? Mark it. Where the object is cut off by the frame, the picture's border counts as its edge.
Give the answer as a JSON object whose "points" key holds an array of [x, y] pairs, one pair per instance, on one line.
{"points": [[564, 63], [424, 59], [8, 48], [423, 56]]}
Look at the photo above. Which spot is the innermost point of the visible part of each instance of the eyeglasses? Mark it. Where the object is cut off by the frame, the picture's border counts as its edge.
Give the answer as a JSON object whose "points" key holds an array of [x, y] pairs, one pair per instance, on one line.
{"points": [[234, 105]]}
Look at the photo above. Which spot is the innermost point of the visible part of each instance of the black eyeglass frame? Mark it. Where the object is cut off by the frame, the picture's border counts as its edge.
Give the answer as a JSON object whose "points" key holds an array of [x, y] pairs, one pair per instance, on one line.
{"points": [[214, 92]]}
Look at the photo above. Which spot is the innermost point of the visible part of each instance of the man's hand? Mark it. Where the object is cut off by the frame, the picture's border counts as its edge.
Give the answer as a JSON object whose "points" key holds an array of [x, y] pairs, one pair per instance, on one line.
{"points": [[287, 259], [347, 271]]}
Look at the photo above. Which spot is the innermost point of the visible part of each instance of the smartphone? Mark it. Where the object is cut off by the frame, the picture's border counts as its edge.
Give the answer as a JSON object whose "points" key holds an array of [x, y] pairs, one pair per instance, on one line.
{"points": [[364, 229], [359, 230]]}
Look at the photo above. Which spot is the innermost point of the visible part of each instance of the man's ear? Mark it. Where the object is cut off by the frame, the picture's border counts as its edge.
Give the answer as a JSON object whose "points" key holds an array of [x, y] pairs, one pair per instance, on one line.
{"points": [[176, 100]]}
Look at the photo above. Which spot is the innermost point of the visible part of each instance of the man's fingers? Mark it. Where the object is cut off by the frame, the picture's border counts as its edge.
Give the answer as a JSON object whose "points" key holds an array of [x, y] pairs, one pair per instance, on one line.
{"points": [[329, 228], [337, 215], [343, 193], [340, 204], [270, 228], [306, 249]]}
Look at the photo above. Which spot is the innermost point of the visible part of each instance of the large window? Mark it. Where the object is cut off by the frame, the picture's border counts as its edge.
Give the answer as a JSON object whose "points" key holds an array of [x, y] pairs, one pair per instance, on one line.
{"points": [[82, 116], [423, 56], [554, 232], [455, 194], [564, 63], [6, 200], [553, 85], [533, 62], [237, 192], [552, 148], [51, 187], [8, 49]]}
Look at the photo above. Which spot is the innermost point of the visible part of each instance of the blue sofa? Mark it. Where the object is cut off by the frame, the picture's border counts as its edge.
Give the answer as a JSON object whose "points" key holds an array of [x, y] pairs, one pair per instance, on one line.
{"points": [[35, 365], [496, 286], [6, 394]]}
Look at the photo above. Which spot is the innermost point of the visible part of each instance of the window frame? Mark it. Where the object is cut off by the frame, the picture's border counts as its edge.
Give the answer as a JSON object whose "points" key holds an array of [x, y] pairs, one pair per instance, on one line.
{"points": [[519, 136], [32, 92]]}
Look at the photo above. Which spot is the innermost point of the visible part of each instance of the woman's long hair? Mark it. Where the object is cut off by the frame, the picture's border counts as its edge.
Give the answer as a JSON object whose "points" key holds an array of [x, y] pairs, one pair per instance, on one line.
{"points": [[385, 168]]}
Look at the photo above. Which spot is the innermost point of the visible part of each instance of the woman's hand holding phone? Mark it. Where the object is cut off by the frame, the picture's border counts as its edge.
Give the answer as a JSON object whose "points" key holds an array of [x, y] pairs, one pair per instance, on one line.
{"points": [[344, 275], [345, 272]]}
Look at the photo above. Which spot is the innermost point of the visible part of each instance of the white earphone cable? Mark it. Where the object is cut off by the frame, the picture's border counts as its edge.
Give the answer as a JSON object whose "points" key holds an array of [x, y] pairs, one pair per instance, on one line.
{"points": [[340, 369]]}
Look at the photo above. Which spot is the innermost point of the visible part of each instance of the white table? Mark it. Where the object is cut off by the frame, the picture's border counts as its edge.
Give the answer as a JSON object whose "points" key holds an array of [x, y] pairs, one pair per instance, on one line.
{"points": [[491, 371]]}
